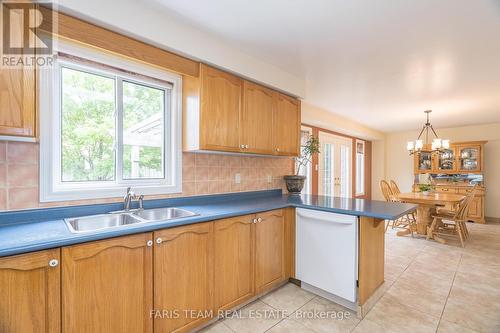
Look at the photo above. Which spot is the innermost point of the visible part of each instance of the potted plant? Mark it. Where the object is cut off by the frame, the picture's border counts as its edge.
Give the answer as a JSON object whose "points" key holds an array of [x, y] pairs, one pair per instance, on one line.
{"points": [[425, 188], [295, 183]]}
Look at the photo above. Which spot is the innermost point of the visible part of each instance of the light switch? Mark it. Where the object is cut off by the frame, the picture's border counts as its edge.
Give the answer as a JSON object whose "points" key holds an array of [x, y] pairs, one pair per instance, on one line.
{"points": [[237, 178]]}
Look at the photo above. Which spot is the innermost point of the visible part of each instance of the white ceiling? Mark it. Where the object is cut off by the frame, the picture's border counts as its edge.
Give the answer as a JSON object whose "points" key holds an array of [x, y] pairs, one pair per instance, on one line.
{"points": [[381, 63]]}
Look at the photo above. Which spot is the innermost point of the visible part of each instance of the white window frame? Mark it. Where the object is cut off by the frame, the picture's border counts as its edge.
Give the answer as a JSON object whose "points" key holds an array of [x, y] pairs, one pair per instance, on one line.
{"points": [[51, 186], [358, 194]]}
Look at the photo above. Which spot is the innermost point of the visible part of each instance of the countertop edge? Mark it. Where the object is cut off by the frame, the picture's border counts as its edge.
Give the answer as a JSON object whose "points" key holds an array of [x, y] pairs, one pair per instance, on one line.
{"points": [[74, 238]]}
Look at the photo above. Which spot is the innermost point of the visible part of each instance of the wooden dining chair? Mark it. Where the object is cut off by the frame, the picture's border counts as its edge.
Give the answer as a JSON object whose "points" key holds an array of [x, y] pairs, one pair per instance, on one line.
{"points": [[452, 223], [402, 222], [411, 218], [394, 187], [386, 191]]}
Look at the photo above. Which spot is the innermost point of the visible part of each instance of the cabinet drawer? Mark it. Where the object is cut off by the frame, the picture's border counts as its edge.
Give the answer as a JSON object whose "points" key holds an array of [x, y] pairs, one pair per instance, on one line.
{"points": [[446, 190], [465, 191]]}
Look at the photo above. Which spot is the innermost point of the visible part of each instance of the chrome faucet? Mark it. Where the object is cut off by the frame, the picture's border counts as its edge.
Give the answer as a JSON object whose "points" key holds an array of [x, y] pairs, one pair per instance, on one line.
{"points": [[128, 199], [141, 202]]}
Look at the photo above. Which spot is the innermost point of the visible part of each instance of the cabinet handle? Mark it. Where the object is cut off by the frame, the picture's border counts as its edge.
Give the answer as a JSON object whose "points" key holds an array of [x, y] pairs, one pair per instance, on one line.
{"points": [[242, 146], [259, 219], [159, 240], [246, 146], [53, 263], [444, 190], [277, 149], [254, 220], [149, 243]]}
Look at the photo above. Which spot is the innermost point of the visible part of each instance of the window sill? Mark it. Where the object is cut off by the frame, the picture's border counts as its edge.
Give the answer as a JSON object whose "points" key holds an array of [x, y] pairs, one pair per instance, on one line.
{"points": [[106, 193]]}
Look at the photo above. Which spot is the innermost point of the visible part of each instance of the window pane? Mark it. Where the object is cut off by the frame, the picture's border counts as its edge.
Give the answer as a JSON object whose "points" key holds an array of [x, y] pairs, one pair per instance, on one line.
{"points": [[87, 126], [143, 125], [360, 168]]}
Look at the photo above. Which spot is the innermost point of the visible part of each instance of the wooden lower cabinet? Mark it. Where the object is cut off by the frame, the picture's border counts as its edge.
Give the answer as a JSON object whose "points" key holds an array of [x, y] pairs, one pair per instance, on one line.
{"points": [[476, 210], [30, 293], [172, 280], [234, 261], [107, 286], [269, 250], [183, 278]]}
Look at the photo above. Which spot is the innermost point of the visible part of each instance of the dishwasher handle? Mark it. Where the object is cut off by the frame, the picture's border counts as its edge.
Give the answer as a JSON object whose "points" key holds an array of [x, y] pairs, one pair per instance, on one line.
{"points": [[322, 216]]}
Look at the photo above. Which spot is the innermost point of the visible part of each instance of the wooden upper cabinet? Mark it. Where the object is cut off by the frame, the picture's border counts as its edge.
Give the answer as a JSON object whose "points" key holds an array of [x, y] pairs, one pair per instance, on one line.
{"points": [[286, 125], [222, 112], [269, 250], [219, 110], [233, 261], [17, 102], [107, 286], [183, 281], [460, 158], [256, 120], [30, 293]]}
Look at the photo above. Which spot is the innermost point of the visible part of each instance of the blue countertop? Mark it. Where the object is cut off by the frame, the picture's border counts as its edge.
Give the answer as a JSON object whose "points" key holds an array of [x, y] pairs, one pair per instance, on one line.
{"points": [[39, 229]]}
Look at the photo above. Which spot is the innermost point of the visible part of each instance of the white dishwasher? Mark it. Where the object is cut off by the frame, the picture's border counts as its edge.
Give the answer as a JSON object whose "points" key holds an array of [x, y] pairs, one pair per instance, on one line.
{"points": [[327, 252]]}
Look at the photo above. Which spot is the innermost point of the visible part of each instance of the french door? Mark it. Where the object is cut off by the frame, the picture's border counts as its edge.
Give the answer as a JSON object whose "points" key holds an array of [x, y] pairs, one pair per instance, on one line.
{"points": [[335, 165]]}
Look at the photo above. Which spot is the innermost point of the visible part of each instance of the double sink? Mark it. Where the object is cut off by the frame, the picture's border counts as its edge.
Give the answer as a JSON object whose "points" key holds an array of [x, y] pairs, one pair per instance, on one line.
{"points": [[124, 218]]}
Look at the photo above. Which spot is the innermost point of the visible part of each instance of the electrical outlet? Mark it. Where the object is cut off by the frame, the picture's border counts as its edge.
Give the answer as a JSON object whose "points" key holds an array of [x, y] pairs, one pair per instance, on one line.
{"points": [[237, 178], [269, 179]]}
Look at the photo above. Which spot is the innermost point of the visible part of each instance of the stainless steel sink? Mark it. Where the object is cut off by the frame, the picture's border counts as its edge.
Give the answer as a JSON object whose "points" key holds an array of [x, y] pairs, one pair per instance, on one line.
{"points": [[161, 214], [118, 219], [98, 222]]}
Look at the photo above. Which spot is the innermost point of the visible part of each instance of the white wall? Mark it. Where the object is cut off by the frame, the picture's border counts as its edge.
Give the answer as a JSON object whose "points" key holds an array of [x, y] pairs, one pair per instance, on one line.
{"points": [[140, 20], [399, 165]]}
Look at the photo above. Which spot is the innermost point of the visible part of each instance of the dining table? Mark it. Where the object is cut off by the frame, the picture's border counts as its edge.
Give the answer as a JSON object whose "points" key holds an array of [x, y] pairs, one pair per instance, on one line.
{"points": [[427, 205]]}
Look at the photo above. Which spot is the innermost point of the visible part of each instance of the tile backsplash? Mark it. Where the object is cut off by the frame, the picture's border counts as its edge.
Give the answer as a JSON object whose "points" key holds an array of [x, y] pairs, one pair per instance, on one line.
{"points": [[201, 174]]}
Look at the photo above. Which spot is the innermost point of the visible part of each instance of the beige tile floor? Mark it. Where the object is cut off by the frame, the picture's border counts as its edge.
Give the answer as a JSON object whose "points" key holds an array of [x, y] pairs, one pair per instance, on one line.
{"points": [[430, 287]]}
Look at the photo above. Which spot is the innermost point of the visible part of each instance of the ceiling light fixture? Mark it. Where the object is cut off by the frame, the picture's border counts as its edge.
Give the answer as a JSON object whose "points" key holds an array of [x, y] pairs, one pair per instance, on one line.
{"points": [[438, 145]]}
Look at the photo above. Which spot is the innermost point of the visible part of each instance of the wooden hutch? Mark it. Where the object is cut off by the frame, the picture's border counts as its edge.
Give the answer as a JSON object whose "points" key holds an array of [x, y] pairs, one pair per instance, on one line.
{"points": [[461, 159]]}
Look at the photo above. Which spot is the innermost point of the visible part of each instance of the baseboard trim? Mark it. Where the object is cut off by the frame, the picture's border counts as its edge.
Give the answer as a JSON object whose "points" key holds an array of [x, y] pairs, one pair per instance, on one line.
{"points": [[492, 219]]}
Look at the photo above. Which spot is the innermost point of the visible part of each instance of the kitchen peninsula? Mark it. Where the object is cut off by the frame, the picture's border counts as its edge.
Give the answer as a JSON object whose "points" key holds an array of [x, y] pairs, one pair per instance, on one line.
{"points": [[252, 233]]}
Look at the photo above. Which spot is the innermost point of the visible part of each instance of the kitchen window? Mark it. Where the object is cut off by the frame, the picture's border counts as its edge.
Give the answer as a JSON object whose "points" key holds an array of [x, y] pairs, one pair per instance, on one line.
{"points": [[107, 123], [360, 167]]}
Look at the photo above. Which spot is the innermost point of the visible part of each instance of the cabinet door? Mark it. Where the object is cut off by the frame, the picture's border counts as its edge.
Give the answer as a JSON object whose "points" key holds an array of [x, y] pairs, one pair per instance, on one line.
{"points": [[469, 158], [107, 286], [30, 293], [256, 119], [286, 125], [446, 161], [269, 250], [233, 261], [17, 102], [423, 162], [184, 276], [476, 208], [220, 110]]}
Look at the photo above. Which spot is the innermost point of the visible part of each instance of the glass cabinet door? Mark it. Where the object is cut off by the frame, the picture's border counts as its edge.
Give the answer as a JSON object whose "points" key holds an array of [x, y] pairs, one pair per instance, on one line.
{"points": [[423, 161], [446, 161], [469, 158]]}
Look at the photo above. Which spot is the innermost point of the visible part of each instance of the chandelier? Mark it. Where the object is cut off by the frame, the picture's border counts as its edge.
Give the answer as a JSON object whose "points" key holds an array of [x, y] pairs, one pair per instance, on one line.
{"points": [[437, 146]]}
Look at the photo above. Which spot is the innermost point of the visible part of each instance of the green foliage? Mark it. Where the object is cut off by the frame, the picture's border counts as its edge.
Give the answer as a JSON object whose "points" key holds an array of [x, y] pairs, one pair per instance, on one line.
{"points": [[140, 103], [308, 150], [89, 129], [425, 187]]}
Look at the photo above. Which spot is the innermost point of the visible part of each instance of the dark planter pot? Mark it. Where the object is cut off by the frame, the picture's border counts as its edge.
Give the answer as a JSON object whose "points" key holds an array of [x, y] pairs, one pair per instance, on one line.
{"points": [[294, 184]]}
